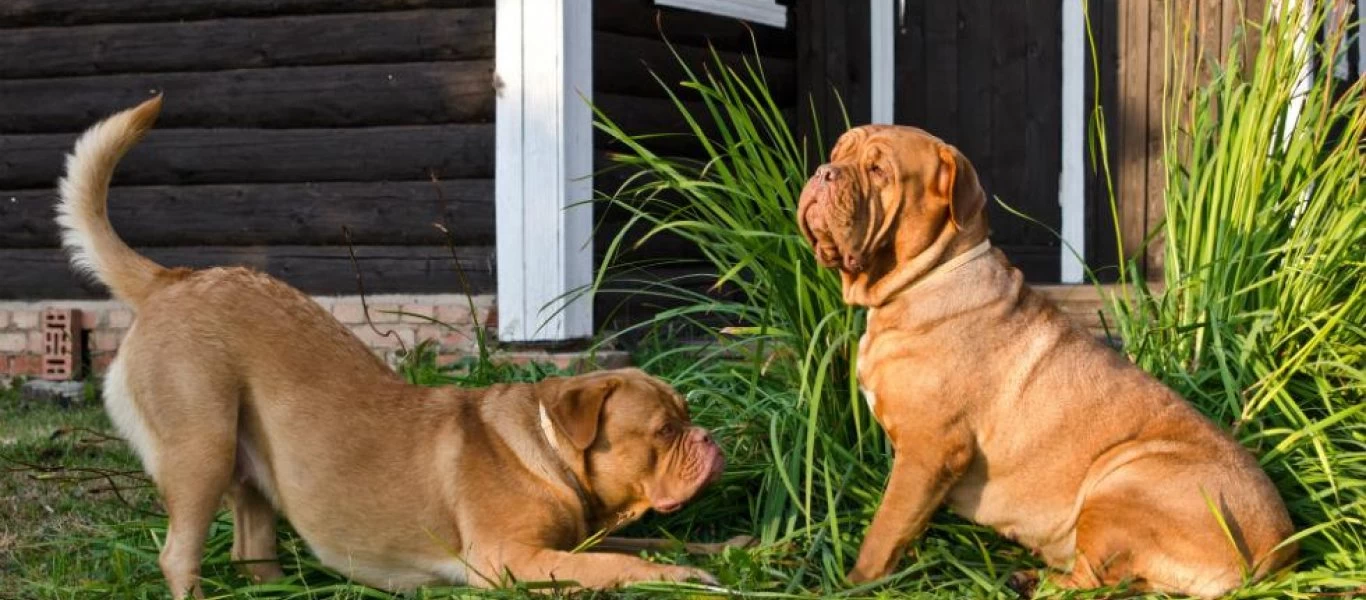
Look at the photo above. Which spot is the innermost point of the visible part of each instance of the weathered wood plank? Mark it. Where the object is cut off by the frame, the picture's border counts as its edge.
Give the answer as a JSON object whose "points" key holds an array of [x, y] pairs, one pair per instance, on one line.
{"points": [[911, 89], [1101, 252], [290, 97], [644, 19], [622, 65], [1039, 158], [45, 273], [813, 79], [381, 213], [194, 156], [1008, 106], [941, 73], [651, 117], [23, 13], [858, 87], [1133, 124], [975, 87], [1158, 54], [404, 36]]}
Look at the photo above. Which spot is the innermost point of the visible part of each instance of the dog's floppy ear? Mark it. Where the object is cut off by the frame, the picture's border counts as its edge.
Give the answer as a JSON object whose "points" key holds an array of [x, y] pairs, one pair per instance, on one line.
{"points": [[576, 409], [957, 181]]}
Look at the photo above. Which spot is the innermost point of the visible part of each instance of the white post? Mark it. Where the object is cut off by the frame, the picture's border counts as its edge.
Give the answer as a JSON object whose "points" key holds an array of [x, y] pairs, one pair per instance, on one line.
{"points": [[1361, 39], [1072, 180], [882, 20], [544, 166]]}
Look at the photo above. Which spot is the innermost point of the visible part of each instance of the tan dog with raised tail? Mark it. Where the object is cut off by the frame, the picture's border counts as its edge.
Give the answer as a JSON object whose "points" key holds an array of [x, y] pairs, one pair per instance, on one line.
{"points": [[996, 404], [231, 382]]}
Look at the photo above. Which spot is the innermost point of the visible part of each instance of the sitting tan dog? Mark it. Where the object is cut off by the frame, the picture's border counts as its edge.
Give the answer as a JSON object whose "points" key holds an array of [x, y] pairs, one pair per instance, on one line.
{"points": [[998, 405], [231, 382]]}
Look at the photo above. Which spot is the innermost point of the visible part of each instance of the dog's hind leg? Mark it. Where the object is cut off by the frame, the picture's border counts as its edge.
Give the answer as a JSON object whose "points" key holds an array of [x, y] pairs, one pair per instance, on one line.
{"points": [[196, 426], [253, 534]]}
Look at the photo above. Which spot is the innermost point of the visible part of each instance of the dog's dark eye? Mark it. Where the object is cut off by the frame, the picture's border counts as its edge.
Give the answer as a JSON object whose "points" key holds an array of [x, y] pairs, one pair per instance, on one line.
{"points": [[875, 169], [667, 431]]}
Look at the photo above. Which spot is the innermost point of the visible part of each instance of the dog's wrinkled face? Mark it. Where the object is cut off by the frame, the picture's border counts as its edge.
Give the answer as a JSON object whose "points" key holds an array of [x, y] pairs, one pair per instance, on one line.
{"points": [[885, 186], [640, 446]]}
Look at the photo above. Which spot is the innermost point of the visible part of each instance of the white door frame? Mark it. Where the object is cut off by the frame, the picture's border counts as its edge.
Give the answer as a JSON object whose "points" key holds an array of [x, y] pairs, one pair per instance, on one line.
{"points": [[1072, 179], [543, 175], [882, 22]]}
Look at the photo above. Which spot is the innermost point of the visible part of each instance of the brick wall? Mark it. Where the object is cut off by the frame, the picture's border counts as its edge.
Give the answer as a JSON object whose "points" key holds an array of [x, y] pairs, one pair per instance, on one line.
{"points": [[408, 317]]}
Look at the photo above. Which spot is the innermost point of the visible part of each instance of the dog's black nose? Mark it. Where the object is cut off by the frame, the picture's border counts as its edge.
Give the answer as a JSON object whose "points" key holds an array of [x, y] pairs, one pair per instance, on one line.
{"points": [[827, 173]]}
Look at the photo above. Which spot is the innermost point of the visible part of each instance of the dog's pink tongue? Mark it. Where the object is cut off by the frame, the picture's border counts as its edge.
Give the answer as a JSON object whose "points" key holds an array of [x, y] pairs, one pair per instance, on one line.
{"points": [[667, 505]]}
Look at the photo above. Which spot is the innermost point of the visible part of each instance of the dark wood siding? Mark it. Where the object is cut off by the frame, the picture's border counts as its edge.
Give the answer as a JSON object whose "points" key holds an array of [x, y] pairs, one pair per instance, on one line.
{"points": [[833, 57], [628, 46], [986, 77], [284, 122]]}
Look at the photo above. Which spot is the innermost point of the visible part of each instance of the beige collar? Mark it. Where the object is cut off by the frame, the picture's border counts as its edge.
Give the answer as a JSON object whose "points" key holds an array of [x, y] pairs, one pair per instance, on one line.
{"points": [[552, 437], [955, 262]]}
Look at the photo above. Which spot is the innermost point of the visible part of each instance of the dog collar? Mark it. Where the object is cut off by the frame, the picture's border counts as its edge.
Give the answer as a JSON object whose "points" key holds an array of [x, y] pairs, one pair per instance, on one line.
{"points": [[956, 262]]}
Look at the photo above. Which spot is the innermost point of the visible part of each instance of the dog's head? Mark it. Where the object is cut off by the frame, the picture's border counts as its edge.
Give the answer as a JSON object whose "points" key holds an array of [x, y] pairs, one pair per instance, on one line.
{"points": [[889, 195], [640, 448]]}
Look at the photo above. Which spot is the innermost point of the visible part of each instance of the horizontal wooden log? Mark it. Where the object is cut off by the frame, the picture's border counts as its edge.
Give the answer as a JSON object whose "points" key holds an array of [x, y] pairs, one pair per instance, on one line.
{"points": [[195, 156], [404, 36], [659, 119], [289, 97], [46, 273], [650, 116], [380, 213], [21, 13], [624, 65], [644, 18]]}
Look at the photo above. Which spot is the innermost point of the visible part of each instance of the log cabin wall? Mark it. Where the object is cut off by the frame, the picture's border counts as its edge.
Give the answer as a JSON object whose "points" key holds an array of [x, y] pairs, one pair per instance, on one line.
{"points": [[283, 123]]}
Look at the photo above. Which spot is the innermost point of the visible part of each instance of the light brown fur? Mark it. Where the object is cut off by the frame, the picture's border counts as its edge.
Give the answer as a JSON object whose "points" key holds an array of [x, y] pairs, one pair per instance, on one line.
{"points": [[996, 404], [232, 382]]}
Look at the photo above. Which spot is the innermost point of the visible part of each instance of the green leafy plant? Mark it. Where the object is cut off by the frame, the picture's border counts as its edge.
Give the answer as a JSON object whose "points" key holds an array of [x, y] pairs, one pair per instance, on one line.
{"points": [[1263, 315]]}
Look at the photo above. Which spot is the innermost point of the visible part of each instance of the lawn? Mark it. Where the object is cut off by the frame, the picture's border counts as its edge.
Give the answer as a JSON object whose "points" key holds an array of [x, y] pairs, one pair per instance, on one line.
{"points": [[1261, 325]]}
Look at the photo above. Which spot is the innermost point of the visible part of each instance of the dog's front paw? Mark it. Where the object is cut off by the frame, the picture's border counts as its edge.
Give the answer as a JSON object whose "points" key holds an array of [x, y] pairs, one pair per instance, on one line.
{"points": [[684, 574], [1024, 582], [860, 574]]}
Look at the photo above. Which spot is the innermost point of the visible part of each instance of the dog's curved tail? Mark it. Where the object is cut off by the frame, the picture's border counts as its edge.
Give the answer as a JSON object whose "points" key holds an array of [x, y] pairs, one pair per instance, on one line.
{"points": [[82, 212]]}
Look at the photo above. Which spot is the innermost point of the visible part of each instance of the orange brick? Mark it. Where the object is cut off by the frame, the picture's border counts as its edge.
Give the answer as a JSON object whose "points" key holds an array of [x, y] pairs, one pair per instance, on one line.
{"points": [[417, 313], [106, 340], [92, 319], [25, 364], [24, 319], [101, 361], [35, 342], [13, 342], [453, 314], [384, 313], [348, 312], [401, 337], [120, 318]]}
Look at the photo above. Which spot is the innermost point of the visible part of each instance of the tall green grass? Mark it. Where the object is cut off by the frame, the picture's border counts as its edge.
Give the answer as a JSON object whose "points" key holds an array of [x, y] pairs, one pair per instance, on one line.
{"points": [[1260, 325], [776, 374], [1261, 322]]}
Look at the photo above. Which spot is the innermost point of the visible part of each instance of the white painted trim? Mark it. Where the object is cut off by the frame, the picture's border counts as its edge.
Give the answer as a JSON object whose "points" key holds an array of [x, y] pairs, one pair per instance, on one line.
{"points": [[543, 175], [766, 12], [1072, 180], [882, 59], [1361, 39], [1303, 44]]}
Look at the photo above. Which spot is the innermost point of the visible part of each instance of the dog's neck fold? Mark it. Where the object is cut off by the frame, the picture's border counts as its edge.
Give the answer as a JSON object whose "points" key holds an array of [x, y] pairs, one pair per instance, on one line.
{"points": [[864, 289]]}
